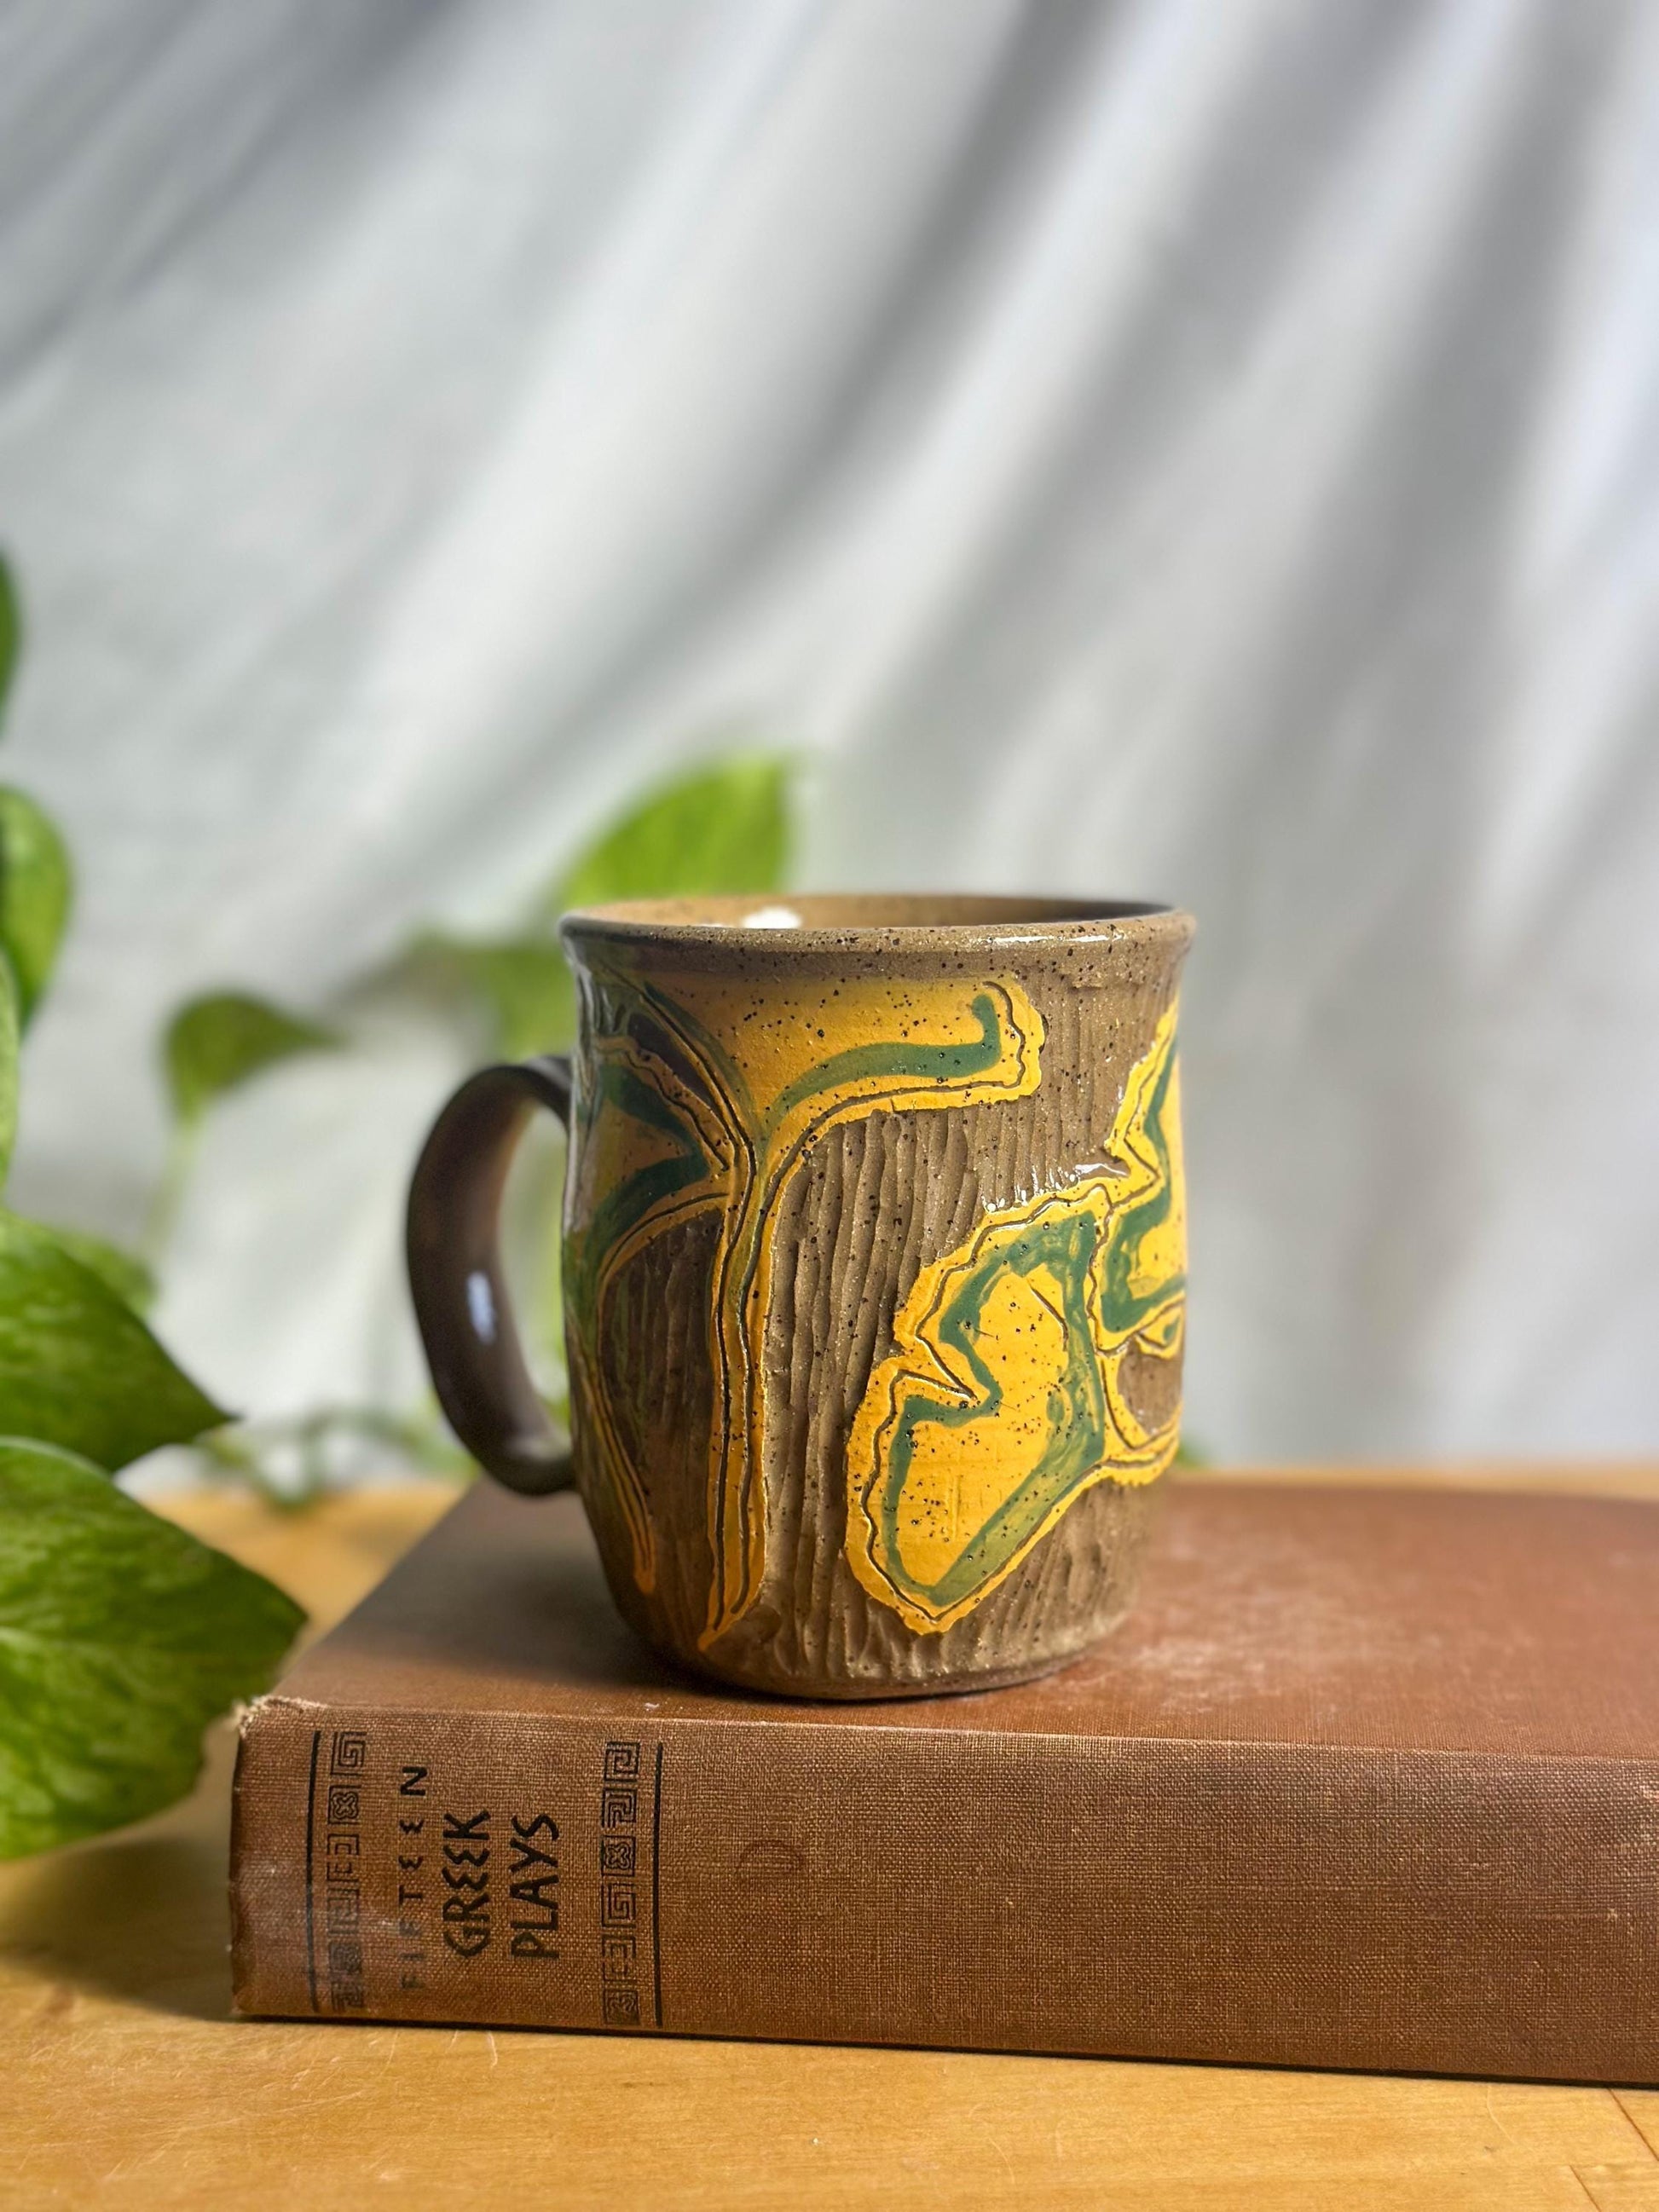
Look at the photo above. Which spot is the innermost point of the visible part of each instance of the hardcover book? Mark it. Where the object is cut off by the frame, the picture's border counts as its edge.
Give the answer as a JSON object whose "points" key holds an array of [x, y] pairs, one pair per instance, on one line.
{"points": [[1370, 1778]]}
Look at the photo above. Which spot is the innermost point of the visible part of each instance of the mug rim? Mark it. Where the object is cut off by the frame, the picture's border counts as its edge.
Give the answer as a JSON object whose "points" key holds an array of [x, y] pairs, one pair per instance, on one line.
{"points": [[787, 922]]}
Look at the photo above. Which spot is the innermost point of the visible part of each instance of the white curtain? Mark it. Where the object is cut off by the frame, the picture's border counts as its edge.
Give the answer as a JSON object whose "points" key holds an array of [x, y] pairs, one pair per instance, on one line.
{"points": [[1204, 450]]}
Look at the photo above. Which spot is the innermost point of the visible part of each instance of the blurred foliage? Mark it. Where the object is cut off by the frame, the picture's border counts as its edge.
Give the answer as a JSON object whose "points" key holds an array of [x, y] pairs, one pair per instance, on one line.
{"points": [[120, 1637], [78, 1367], [726, 827], [524, 984], [10, 1036], [123, 1273], [36, 890], [214, 1043], [292, 1462]]}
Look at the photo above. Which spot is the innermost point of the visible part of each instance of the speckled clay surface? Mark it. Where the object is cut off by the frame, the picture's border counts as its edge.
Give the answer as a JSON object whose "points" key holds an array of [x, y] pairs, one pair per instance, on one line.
{"points": [[875, 1278]]}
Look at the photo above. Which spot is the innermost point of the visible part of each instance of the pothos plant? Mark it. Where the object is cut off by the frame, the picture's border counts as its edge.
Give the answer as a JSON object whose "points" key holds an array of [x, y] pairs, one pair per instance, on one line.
{"points": [[724, 826], [120, 1636]]}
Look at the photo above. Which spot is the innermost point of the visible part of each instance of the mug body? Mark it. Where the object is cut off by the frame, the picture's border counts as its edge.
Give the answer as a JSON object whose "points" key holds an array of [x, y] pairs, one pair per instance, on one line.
{"points": [[874, 1267]]}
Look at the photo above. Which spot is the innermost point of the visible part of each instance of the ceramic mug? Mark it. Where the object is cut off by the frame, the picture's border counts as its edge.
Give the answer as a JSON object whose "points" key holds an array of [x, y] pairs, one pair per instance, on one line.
{"points": [[874, 1277]]}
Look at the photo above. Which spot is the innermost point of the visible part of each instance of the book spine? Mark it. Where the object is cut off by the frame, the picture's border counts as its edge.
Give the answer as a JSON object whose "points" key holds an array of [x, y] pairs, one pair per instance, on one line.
{"points": [[852, 1882]]}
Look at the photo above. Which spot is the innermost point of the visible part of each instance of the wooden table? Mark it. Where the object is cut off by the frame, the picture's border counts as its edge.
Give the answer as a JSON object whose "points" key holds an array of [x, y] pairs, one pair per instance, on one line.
{"points": [[123, 2080]]}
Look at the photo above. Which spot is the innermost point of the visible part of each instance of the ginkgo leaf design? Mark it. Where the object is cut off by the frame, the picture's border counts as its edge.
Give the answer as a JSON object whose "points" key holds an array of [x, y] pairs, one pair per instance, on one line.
{"points": [[707, 1097], [1004, 1398]]}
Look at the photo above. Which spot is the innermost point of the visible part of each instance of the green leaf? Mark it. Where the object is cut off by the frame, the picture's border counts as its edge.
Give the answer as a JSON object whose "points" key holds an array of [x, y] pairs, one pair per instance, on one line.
{"points": [[216, 1042], [525, 983], [78, 1368], [120, 1271], [120, 1638], [11, 631], [724, 829], [10, 1030], [35, 888]]}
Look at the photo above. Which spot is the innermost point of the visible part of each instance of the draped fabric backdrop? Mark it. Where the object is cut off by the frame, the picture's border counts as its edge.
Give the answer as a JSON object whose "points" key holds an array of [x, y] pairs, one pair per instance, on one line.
{"points": [[1209, 451]]}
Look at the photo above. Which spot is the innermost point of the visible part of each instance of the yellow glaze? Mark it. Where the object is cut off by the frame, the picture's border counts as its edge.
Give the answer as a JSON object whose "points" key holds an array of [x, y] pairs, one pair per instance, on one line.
{"points": [[1004, 1398], [703, 1093]]}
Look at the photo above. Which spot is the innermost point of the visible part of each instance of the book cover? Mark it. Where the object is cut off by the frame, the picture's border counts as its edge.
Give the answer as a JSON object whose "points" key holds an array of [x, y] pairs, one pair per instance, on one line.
{"points": [[1369, 1778]]}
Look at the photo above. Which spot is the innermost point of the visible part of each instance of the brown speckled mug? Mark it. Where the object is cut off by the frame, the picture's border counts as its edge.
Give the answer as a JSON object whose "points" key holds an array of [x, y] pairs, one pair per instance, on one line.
{"points": [[875, 1277]]}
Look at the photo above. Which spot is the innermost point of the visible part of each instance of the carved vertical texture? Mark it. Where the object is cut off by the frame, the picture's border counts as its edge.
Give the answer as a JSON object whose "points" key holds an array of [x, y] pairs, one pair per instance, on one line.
{"points": [[881, 1198], [875, 1200]]}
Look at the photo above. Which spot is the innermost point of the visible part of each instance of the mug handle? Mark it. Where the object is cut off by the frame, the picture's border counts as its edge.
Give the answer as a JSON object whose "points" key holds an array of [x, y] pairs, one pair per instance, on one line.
{"points": [[461, 1300]]}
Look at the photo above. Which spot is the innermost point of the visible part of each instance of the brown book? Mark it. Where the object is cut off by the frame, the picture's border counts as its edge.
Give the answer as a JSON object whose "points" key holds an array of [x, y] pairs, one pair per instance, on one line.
{"points": [[1369, 1778]]}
